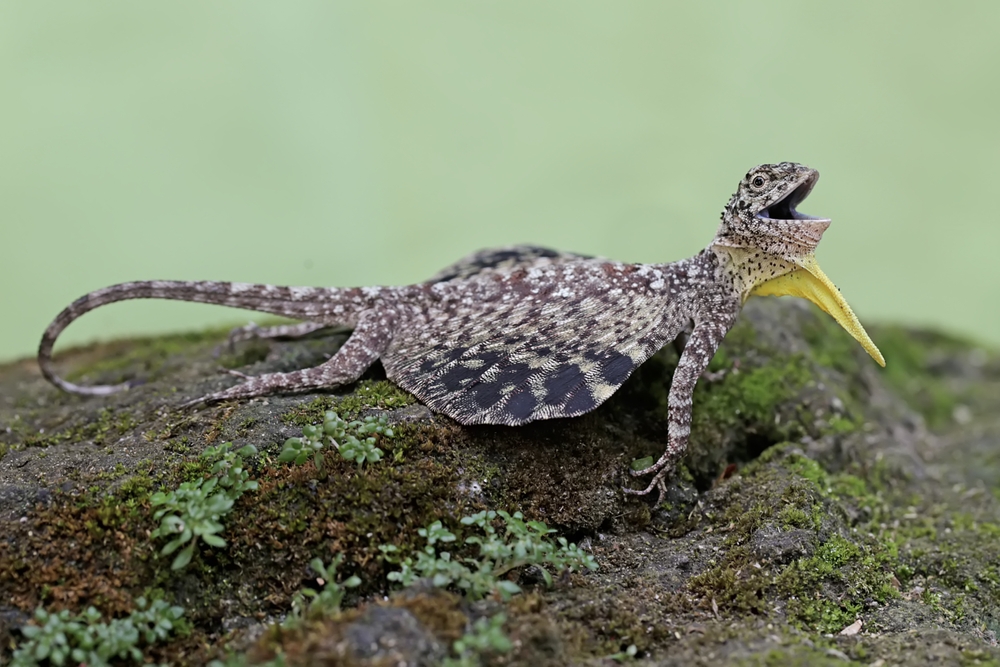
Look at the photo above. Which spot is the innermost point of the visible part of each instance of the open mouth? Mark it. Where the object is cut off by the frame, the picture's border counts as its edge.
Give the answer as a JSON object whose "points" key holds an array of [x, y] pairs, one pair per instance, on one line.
{"points": [[784, 208]]}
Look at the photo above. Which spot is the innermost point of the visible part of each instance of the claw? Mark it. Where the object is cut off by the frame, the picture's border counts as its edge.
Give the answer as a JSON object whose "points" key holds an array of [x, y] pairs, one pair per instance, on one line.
{"points": [[208, 398], [219, 395], [656, 483], [662, 470]]}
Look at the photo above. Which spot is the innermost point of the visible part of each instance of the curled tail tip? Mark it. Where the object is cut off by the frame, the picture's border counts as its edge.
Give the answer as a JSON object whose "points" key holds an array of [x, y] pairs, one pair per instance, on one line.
{"points": [[95, 390]]}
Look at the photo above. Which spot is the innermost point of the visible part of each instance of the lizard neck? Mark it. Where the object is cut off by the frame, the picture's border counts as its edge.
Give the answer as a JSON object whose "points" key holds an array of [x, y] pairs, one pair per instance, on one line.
{"points": [[704, 278], [746, 268]]}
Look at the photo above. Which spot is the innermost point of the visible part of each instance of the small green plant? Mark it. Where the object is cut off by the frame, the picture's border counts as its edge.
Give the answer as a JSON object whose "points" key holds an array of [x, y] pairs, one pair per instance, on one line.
{"points": [[62, 637], [194, 508], [522, 543], [627, 655], [306, 604], [485, 636], [309, 603], [356, 440]]}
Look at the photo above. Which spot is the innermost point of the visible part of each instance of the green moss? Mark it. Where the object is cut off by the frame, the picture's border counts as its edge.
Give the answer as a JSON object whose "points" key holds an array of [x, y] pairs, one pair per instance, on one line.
{"points": [[247, 354], [189, 471], [108, 427], [827, 591], [842, 425], [842, 487], [118, 471], [137, 487], [244, 427], [380, 394], [750, 406], [309, 413], [831, 346], [904, 540], [978, 658], [746, 381], [795, 517], [146, 356], [740, 340], [760, 390], [291, 520], [802, 655], [115, 512], [846, 485], [760, 393], [836, 553], [733, 585], [773, 493], [351, 511], [752, 396], [909, 370], [807, 468]]}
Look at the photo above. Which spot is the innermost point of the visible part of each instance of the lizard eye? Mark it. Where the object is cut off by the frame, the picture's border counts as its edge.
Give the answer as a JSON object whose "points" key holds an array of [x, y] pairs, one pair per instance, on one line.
{"points": [[758, 182]]}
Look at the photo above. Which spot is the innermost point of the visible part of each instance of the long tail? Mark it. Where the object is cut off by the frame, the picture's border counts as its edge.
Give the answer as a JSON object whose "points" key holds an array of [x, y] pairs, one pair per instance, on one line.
{"points": [[304, 303]]}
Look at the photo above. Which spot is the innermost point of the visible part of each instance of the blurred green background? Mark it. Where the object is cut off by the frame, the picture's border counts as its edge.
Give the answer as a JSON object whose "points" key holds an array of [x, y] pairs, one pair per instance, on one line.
{"points": [[373, 143]]}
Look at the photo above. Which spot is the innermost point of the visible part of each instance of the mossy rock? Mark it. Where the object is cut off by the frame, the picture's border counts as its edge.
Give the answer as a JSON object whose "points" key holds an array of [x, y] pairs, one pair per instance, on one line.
{"points": [[818, 490]]}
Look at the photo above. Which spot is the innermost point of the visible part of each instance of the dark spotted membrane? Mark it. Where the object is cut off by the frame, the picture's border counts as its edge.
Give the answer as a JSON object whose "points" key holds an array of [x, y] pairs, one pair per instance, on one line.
{"points": [[555, 340]]}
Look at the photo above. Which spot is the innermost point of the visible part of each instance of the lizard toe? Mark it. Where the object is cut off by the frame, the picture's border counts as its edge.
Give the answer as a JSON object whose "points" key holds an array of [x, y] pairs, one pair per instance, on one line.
{"points": [[657, 483]]}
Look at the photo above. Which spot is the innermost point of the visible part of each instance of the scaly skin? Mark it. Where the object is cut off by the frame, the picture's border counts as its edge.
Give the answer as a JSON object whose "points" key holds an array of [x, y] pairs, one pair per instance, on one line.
{"points": [[513, 335]]}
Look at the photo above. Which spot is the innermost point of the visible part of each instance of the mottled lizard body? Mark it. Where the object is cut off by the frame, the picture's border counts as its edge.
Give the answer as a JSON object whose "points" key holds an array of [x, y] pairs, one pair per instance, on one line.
{"points": [[514, 335]]}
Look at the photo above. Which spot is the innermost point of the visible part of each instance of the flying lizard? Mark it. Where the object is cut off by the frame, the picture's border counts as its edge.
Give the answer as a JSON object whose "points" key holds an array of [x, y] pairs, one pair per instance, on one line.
{"points": [[518, 334]]}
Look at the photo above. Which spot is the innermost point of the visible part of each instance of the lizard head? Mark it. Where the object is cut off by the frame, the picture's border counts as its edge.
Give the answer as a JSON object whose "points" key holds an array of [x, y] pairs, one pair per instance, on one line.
{"points": [[762, 214], [771, 245]]}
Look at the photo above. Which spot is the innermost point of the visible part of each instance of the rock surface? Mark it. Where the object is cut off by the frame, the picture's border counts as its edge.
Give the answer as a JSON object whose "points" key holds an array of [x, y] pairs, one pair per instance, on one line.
{"points": [[818, 491]]}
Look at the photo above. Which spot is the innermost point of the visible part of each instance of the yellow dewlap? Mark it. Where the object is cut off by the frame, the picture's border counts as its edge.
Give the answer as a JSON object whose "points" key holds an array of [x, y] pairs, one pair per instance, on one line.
{"points": [[809, 282]]}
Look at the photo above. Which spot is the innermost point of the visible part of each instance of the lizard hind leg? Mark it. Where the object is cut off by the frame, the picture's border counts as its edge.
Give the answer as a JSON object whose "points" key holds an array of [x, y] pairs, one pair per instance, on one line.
{"points": [[251, 331], [369, 340]]}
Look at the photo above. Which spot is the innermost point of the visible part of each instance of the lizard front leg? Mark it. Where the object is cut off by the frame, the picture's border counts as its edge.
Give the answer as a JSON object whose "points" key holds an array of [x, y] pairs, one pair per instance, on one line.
{"points": [[698, 352], [369, 340]]}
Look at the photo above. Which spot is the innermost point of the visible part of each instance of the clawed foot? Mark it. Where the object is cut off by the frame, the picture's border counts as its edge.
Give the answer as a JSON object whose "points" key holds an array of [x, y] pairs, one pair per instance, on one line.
{"points": [[662, 468], [293, 382], [233, 392]]}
